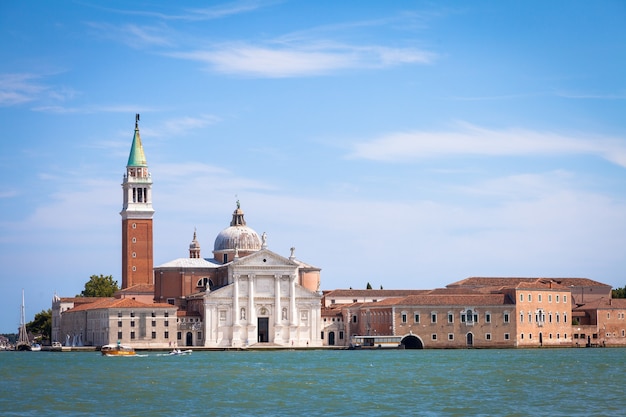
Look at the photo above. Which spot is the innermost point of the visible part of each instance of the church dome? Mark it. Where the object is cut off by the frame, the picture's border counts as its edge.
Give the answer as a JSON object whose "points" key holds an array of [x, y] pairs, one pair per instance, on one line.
{"points": [[237, 236]]}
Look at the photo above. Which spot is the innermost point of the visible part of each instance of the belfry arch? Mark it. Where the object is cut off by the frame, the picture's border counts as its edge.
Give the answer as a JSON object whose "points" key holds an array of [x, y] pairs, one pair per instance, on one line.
{"points": [[412, 342]]}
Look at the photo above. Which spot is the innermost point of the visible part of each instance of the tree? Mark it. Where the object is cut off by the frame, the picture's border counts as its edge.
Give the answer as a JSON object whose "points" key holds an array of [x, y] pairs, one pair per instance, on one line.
{"points": [[41, 326], [369, 286], [99, 286], [619, 292]]}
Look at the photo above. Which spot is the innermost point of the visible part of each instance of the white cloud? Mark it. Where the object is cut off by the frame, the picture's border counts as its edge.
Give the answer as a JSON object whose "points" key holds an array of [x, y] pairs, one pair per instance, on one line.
{"points": [[132, 35], [473, 140], [19, 88], [301, 60]]}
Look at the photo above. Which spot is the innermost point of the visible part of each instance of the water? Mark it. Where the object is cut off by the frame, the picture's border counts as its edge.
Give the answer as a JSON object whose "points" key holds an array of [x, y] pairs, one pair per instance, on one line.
{"points": [[528, 382]]}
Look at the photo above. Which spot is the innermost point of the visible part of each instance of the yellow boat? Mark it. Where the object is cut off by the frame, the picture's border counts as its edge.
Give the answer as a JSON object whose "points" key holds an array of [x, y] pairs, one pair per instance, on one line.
{"points": [[117, 350]]}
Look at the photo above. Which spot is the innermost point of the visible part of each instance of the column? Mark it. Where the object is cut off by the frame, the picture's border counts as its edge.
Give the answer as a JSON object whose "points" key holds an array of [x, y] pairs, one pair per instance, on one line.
{"points": [[236, 312], [251, 310], [292, 300], [278, 310]]}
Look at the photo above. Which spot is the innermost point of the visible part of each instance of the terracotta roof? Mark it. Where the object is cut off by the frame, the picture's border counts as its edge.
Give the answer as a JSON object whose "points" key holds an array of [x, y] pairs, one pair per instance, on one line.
{"points": [[456, 300], [81, 300], [514, 281], [372, 293], [604, 304], [139, 288], [118, 303]]}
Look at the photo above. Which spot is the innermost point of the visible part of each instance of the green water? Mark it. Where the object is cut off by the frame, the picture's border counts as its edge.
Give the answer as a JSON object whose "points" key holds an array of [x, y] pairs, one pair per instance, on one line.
{"points": [[533, 382]]}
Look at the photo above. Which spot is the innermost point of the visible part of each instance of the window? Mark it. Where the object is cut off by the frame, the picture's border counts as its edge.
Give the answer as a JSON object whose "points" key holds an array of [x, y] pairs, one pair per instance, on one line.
{"points": [[132, 323], [403, 317], [134, 254], [433, 317], [539, 297], [322, 336], [416, 317], [341, 335], [530, 317], [549, 317], [154, 335], [488, 336], [132, 314], [530, 297], [507, 336], [354, 319], [487, 317], [558, 318], [549, 298], [564, 317], [506, 317], [521, 336], [199, 336], [132, 335], [119, 314], [521, 298], [450, 336], [119, 335], [179, 335], [166, 335], [153, 323], [153, 314], [222, 315], [557, 298], [565, 298], [521, 317], [119, 324], [450, 319], [434, 336], [171, 301], [166, 323]]}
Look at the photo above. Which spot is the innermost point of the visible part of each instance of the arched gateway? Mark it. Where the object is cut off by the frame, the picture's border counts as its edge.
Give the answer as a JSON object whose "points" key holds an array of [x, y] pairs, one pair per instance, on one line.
{"points": [[412, 342]]}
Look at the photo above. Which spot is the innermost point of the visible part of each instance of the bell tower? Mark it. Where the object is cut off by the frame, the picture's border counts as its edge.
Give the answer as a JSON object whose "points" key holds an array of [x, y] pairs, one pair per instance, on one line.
{"points": [[137, 212]]}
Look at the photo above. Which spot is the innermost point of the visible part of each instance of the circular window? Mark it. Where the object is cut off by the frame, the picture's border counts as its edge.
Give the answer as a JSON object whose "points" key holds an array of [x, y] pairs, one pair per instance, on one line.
{"points": [[134, 225], [134, 240], [134, 254], [134, 268]]}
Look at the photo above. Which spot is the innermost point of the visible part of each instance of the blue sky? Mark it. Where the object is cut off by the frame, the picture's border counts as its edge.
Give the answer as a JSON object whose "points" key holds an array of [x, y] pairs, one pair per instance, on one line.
{"points": [[407, 144]]}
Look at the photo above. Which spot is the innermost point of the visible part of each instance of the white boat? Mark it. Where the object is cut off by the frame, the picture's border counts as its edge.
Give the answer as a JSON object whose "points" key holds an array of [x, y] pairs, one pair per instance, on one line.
{"points": [[181, 352]]}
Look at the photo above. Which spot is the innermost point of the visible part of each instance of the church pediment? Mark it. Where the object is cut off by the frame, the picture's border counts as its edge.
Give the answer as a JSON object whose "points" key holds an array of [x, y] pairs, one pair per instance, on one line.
{"points": [[263, 259]]}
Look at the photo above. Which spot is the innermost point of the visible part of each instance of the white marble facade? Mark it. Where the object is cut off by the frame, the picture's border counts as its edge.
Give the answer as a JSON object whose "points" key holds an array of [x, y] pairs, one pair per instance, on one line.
{"points": [[262, 303]]}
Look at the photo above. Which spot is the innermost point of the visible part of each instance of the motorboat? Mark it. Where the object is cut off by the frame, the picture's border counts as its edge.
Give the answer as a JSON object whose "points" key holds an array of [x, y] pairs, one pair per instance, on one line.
{"points": [[181, 352], [117, 350]]}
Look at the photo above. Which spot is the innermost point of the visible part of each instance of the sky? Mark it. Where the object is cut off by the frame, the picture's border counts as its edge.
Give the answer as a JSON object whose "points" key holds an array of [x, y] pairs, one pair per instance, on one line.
{"points": [[405, 144]]}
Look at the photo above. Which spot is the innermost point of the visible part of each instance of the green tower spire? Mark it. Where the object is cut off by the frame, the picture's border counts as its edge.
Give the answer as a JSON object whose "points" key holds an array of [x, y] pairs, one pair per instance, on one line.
{"points": [[137, 158]]}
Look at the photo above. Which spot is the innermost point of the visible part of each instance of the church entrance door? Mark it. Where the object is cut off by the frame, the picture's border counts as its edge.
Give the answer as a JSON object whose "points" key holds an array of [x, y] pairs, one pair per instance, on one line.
{"points": [[331, 339], [189, 339], [263, 329]]}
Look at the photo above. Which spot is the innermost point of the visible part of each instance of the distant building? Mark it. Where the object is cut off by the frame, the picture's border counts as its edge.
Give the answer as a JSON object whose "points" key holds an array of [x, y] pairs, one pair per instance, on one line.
{"points": [[247, 295], [478, 312]]}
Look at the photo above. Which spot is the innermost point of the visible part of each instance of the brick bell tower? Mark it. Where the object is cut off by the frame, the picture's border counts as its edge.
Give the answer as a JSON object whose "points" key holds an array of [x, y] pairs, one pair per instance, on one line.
{"points": [[137, 212]]}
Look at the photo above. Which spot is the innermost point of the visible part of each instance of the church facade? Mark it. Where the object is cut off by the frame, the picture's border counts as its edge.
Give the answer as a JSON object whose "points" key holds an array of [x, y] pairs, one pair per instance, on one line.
{"points": [[243, 296]]}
